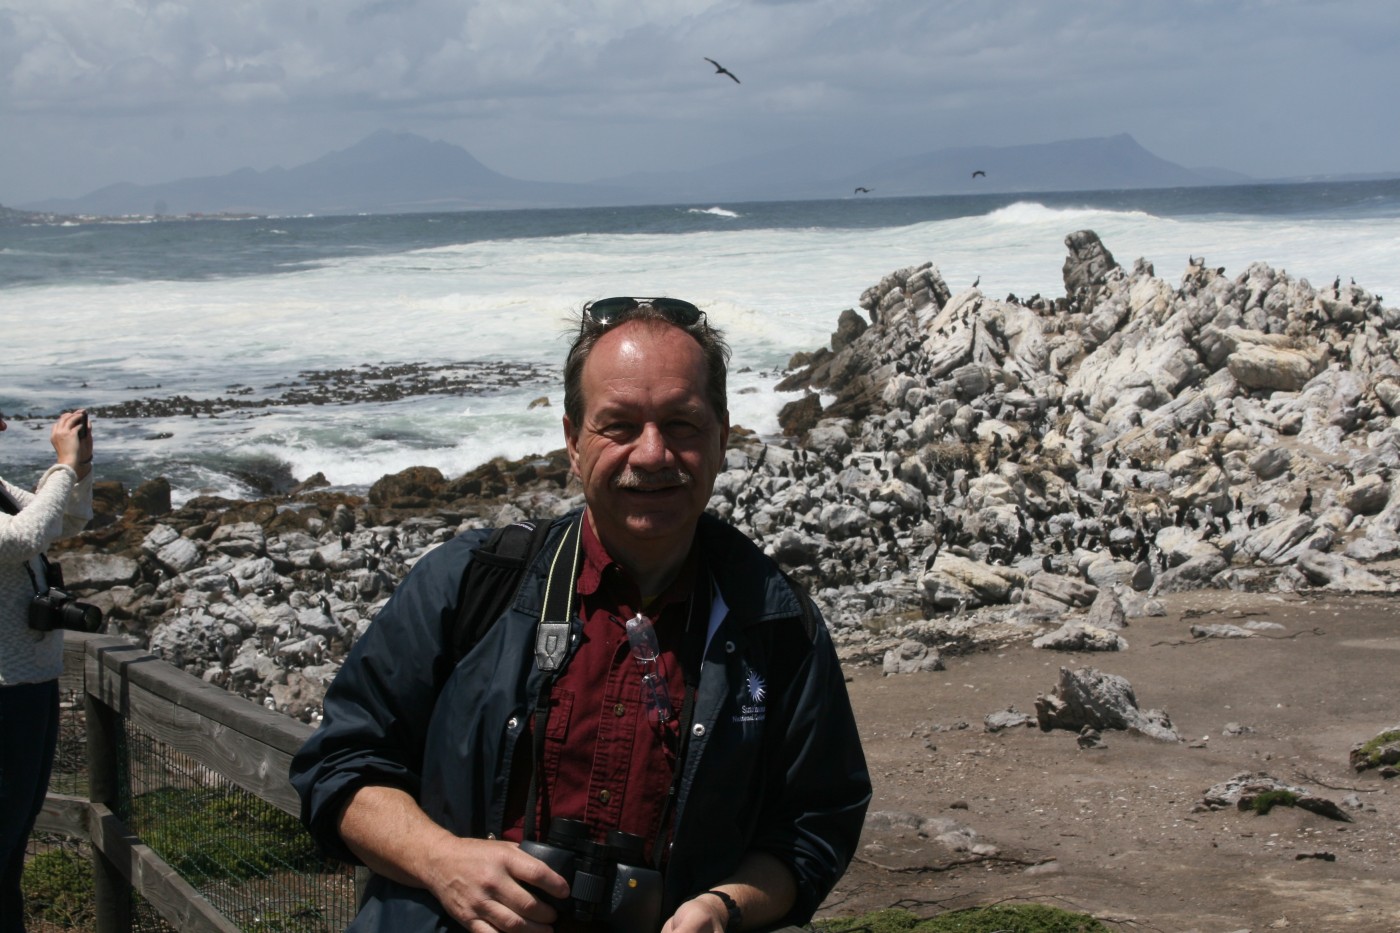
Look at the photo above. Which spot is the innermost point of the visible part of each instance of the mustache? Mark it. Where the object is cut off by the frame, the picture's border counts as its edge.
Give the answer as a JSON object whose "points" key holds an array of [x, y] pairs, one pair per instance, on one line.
{"points": [[659, 479]]}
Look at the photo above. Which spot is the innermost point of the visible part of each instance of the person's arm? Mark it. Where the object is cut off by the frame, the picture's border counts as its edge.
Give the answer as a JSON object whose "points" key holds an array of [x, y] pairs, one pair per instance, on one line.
{"points": [[815, 801], [762, 888], [61, 504], [477, 881], [77, 511], [359, 774], [40, 519]]}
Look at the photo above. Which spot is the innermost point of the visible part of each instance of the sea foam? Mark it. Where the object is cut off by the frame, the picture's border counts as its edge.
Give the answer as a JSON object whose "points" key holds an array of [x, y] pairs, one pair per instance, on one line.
{"points": [[774, 291]]}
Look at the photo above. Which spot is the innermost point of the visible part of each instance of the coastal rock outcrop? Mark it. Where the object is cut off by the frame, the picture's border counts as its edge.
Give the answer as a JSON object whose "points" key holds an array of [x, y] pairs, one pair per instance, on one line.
{"points": [[957, 470], [1133, 435]]}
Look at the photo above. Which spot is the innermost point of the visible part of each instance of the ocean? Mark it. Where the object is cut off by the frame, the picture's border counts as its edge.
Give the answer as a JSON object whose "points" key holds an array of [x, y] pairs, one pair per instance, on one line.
{"points": [[209, 343]]}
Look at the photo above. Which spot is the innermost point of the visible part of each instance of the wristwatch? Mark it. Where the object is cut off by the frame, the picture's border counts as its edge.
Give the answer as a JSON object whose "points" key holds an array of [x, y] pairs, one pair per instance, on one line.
{"points": [[736, 916]]}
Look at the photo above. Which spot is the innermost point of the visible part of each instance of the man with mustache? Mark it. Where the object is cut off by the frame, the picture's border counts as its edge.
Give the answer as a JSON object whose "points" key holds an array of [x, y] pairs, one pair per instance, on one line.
{"points": [[686, 694]]}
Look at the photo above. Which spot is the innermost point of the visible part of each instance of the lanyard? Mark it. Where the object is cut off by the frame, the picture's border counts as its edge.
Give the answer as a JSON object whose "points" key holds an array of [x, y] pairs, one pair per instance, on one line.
{"points": [[552, 637]]}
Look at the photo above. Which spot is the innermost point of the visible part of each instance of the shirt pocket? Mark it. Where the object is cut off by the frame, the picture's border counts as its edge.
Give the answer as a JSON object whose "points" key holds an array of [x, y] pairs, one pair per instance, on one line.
{"points": [[556, 730]]}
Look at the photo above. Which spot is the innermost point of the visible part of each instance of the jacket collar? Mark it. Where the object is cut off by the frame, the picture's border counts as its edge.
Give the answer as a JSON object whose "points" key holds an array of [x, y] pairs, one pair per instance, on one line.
{"points": [[748, 580]]}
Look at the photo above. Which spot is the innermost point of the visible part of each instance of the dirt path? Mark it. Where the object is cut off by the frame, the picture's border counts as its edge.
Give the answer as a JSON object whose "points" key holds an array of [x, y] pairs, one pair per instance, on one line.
{"points": [[1117, 831]]}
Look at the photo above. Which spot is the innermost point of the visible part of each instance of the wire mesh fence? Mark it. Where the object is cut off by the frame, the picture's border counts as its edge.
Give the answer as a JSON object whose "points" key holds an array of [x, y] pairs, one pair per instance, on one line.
{"points": [[58, 884], [253, 862], [58, 869]]}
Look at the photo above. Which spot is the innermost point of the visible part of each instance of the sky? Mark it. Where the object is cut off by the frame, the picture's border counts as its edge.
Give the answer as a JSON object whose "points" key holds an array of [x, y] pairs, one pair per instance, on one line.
{"points": [[94, 92]]}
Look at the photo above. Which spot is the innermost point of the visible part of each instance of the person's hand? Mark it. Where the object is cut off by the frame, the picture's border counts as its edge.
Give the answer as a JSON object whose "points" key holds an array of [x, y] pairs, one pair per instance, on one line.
{"points": [[72, 450], [482, 882], [702, 914]]}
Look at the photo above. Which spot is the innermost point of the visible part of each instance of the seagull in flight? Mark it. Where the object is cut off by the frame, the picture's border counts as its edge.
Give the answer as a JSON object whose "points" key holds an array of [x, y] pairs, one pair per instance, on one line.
{"points": [[979, 174], [862, 190], [721, 70]]}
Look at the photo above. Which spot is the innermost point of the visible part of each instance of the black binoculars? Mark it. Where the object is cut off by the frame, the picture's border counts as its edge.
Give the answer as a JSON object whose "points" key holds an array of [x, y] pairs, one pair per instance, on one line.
{"points": [[609, 882]]}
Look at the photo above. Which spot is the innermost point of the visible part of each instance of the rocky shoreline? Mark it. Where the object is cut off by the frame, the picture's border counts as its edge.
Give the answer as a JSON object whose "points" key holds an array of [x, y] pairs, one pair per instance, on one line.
{"points": [[961, 471]]}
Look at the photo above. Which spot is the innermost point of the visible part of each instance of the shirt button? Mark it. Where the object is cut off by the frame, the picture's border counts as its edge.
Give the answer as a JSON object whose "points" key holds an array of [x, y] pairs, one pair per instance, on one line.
{"points": [[619, 710], [698, 729], [512, 723], [729, 647], [604, 795]]}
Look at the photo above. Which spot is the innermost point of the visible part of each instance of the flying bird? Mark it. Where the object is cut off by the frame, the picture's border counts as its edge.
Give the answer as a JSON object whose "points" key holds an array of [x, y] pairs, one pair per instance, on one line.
{"points": [[721, 70], [979, 174], [862, 190]]}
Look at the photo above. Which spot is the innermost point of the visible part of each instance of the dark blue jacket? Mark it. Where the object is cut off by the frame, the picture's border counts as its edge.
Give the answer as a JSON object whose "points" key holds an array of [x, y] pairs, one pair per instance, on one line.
{"points": [[774, 762]]}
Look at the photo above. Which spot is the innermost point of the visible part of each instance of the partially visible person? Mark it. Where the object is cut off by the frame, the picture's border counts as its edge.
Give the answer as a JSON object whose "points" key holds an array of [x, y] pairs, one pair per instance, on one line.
{"points": [[31, 660]]}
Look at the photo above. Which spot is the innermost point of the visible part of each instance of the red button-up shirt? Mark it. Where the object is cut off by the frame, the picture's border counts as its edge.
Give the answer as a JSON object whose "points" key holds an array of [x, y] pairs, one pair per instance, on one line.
{"points": [[605, 761]]}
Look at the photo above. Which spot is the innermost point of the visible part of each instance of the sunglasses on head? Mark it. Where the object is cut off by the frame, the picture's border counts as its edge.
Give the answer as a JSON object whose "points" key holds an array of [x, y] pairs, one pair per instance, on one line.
{"points": [[610, 311]]}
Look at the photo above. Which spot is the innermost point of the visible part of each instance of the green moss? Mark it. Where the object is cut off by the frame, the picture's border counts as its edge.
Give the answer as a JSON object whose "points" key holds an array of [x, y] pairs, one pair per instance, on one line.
{"points": [[1002, 918], [1372, 749], [306, 918], [221, 834], [1273, 798], [58, 890]]}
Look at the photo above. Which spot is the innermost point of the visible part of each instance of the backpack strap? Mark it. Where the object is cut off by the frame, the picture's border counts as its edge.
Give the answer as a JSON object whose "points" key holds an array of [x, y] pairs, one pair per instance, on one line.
{"points": [[809, 612], [490, 582]]}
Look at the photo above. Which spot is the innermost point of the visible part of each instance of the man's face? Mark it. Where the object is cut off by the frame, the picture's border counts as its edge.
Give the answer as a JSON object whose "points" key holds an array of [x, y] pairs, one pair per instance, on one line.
{"points": [[650, 445]]}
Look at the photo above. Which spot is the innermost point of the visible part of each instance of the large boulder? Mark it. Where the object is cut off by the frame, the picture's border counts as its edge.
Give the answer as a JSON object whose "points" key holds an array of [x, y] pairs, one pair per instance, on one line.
{"points": [[415, 487], [957, 582], [800, 415], [152, 497], [911, 657], [849, 327], [1092, 699], [1276, 368], [1087, 266], [1080, 636], [98, 570]]}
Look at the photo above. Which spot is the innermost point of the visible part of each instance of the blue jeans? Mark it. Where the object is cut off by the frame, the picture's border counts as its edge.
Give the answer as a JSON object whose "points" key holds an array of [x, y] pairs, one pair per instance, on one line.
{"points": [[28, 736]]}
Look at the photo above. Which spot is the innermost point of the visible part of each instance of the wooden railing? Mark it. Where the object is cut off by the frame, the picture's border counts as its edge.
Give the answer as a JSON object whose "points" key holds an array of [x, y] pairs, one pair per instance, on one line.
{"points": [[244, 743], [122, 685]]}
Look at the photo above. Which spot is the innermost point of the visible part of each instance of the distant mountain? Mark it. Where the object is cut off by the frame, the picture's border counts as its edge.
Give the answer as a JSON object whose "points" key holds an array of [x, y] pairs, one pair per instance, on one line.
{"points": [[400, 172], [1107, 163], [384, 173], [1071, 165]]}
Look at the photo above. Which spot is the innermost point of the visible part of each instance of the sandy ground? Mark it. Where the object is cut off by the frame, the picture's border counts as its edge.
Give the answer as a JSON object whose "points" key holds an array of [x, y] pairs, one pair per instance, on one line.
{"points": [[1118, 831]]}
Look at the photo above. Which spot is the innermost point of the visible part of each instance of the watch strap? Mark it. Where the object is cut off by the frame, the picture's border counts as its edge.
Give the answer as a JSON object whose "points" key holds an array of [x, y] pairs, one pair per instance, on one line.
{"points": [[736, 916]]}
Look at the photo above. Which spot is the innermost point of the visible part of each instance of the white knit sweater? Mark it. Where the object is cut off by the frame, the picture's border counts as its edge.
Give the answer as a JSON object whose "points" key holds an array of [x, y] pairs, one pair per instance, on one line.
{"points": [[60, 507]]}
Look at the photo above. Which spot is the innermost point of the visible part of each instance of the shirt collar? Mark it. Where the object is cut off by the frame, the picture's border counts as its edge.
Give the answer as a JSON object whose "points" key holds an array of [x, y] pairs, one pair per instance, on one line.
{"points": [[601, 572]]}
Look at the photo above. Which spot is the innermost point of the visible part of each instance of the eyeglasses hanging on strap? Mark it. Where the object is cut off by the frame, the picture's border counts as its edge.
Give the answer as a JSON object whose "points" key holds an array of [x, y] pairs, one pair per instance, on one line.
{"points": [[641, 635]]}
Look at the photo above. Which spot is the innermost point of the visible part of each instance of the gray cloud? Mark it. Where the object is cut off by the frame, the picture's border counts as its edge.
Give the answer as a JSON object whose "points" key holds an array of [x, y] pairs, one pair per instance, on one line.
{"points": [[93, 92]]}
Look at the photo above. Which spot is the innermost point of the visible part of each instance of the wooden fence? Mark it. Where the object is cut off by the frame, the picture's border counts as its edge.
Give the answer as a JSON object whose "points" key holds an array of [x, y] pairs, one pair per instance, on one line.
{"points": [[239, 740], [122, 685]]}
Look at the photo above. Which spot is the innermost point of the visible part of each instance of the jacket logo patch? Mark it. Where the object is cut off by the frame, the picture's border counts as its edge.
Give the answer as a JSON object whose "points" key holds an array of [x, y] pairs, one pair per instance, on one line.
{"points": [[758, 690], [756, 709]]}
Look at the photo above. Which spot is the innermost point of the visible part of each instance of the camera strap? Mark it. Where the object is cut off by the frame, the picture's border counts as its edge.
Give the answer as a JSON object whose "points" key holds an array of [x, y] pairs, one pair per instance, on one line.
{"points": [[552, 637]]}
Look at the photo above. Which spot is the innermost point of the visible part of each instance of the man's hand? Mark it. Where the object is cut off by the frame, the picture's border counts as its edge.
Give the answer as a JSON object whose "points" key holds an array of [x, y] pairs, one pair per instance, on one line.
{"points": [[703, 914], [763, 888], [479, 882]]}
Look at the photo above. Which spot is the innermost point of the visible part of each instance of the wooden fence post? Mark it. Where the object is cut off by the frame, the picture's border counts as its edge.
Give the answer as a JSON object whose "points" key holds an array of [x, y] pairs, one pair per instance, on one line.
{"points": [[112, 893]]}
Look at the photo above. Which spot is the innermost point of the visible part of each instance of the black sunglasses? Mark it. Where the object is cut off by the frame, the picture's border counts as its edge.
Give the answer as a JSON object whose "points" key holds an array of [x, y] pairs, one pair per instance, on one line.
{"points": [[610, 311]]}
